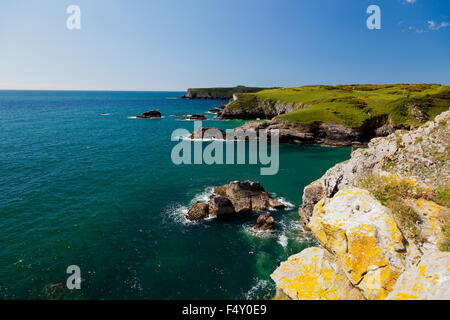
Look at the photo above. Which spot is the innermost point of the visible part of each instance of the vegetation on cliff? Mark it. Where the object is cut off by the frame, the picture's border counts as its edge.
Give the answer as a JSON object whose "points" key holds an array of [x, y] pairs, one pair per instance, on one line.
{"points": [[352, 106]]}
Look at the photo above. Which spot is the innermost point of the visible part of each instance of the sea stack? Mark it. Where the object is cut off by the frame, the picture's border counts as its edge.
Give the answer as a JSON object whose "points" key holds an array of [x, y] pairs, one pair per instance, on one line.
{"points": [[150, 114]]}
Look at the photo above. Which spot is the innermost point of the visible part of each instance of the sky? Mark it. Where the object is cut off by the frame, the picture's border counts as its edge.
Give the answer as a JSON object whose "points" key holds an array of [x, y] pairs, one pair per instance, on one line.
{"points": [[173, 45]]}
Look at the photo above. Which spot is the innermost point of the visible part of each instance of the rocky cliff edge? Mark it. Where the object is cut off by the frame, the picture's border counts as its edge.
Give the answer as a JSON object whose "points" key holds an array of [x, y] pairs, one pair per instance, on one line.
{"points": [[382, 219]]}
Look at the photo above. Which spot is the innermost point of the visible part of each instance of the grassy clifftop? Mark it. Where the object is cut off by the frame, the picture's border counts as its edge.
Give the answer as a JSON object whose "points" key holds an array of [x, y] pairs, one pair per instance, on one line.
{"points": [[353, 105]]}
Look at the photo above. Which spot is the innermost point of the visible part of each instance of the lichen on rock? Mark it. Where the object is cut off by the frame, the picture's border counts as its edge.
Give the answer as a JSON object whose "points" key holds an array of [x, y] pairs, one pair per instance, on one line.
{"points": [[313, 275]]}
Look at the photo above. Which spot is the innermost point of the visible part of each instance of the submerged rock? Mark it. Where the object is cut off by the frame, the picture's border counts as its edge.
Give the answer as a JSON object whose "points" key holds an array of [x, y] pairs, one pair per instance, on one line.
{"points": [[56, 291], [195, 117], [150, 114], [265, 222]]}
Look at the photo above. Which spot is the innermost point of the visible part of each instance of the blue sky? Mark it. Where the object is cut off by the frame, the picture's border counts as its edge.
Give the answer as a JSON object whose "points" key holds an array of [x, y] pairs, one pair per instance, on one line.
{"points": [[173, 45]]}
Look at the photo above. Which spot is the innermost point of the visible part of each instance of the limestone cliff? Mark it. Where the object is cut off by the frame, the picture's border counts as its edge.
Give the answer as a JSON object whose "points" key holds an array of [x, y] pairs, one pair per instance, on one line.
{"points": [[382, 219]]}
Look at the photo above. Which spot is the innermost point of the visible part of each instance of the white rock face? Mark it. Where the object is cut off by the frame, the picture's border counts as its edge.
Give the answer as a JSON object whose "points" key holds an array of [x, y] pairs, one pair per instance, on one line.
{"points": [[430, 279]]}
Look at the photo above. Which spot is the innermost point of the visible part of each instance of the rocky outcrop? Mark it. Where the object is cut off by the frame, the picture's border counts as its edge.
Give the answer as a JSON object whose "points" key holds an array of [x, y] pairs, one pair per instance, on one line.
{"points": [[150, 114], [288, 132], [313, 274], [192, 117], [250, 107], [380, 222], [198, 211], [233, 200], [208, 134], [265, 222], [428, 280], [364, 237], [421, 153], [56, 291]]}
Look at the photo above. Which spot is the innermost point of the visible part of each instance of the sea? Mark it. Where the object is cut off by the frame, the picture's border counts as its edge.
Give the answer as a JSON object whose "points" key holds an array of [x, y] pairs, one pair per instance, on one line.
{"points": [[84, 182]]}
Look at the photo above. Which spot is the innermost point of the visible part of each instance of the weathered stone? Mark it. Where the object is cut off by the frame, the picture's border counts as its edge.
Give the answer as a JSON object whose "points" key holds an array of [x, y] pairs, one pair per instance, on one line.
{"points": [[198, 211], [422, 153], [356, 228], [208, 134], [150, 114], [220, 206], [265, 222], [313, 274], [248, 196], [429, 280]]}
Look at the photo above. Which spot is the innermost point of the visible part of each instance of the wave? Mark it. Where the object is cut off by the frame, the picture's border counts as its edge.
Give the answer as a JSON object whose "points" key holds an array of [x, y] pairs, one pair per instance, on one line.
{"points": [[257, 233], [178, 211], [259, 287], [134, 117], [283, 240]]}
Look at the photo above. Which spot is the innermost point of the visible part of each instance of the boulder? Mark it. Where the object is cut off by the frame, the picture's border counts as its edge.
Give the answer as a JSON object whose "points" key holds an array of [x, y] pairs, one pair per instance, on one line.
{"points": [[220, 206], [313, 274], [248, 196], [428, 280], [198, 211], [265, 222], [234, 199], [150, 114]]}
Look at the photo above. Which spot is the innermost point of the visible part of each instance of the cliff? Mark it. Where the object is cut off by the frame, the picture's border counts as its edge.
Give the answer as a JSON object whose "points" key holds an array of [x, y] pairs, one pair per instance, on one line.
{"points": [[340, 115], [383, 222], [218, 93]]}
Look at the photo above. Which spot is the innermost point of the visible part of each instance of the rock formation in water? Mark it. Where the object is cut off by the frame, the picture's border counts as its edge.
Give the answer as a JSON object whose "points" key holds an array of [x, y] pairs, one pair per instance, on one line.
{"points": [[195, 117], [233, 200], [383, 222], [265, 222], [150, 114]]}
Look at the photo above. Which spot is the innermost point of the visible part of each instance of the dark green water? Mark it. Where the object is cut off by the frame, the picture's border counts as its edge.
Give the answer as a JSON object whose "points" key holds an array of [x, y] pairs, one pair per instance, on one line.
{"points": [[101, 192]]}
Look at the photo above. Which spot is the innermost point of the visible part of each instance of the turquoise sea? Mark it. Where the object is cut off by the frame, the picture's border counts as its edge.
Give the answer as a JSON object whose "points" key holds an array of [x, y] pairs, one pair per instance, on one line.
{"points": [[101, 192]]}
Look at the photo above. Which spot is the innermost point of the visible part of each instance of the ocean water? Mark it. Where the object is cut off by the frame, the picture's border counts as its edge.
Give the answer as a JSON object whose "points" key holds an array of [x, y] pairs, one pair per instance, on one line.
{"points": [[101, 192]]}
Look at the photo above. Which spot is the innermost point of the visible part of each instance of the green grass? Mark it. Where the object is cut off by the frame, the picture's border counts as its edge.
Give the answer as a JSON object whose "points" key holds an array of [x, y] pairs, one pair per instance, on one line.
{"points": [[353, 105], [445, 245], [392, 192], [443, 195]]}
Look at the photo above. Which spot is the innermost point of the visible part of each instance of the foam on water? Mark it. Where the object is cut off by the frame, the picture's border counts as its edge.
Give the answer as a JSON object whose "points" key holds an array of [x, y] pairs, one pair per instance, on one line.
{"points": [[259, 286]]}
